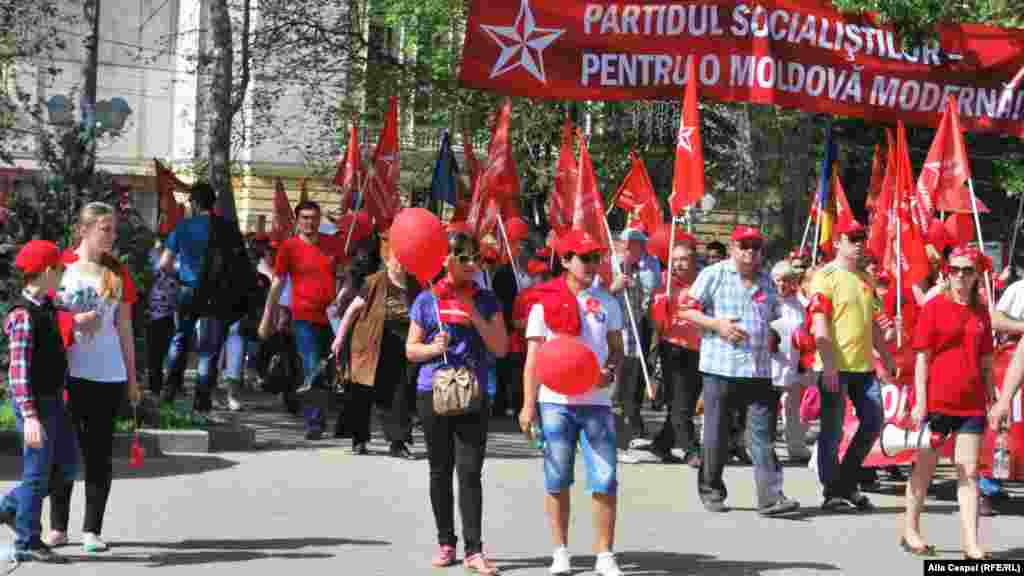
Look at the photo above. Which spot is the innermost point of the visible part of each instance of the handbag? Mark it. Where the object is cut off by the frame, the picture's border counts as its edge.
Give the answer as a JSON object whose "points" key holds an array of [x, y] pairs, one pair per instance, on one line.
{"points": [[456, 391]]}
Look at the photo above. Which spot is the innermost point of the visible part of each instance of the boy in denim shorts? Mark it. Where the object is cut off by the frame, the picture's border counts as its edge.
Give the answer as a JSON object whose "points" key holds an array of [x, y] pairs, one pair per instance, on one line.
{"points": [[572, 306]]}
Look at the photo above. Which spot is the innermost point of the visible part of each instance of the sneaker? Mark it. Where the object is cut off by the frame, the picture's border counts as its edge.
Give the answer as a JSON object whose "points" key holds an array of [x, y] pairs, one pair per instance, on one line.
{"points": [[606, 565], [479, 564], [560, 562], [445, 557], [91, 543], [40, 552], [640, 443], [665, 456], [56, 539], [359, 449], [716, 506], [234, 388], [314, 434], [782, 506], [628, 457]]}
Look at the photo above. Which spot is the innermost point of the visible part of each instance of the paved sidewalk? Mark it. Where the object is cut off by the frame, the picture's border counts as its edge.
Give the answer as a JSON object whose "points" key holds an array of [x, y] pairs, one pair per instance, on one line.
{"points": [[309, 508]]}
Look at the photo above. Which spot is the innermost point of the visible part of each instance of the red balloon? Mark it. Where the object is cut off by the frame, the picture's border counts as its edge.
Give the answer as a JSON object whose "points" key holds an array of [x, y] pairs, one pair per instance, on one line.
{"points": [[567, 366], [419, 241]]}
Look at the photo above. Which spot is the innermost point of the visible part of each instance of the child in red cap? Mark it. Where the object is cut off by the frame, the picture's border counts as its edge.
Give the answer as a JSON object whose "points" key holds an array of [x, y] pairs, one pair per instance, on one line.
{"points": [[36, 376]]}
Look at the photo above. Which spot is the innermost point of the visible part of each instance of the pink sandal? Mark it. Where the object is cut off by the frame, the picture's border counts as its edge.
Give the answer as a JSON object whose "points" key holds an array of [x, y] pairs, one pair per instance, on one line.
{"points": [[479, 564], [445, 557]]}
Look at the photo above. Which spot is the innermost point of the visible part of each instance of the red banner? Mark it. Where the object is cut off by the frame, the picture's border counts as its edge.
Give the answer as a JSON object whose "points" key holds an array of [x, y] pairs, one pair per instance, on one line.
{"points": [[792, 53]]}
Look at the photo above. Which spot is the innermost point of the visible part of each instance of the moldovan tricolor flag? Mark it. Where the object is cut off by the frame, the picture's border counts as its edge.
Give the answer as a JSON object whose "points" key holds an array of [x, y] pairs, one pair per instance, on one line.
{"points": [[350, 172], [825, 202], [688, 180], [382, 201], [566, 175], [944, 176]]}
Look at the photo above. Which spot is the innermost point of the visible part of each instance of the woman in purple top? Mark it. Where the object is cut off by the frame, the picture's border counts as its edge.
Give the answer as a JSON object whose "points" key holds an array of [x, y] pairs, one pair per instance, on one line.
{"points": [[472, 326]]}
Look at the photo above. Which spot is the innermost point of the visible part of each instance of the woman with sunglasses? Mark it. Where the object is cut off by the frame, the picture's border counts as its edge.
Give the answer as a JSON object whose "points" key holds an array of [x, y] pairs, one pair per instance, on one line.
{"points": [[472, 326], [953, 379]]}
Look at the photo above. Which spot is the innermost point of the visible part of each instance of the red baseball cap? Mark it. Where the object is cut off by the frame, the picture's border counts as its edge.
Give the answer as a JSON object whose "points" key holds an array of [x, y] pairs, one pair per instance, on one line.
{"points": [[36, 256], [746, 233], [850, 226], [577, 242]]}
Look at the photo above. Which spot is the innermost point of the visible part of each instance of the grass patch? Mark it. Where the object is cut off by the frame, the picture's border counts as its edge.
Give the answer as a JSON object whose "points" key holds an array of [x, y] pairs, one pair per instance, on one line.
{"points": [[168, 417]]}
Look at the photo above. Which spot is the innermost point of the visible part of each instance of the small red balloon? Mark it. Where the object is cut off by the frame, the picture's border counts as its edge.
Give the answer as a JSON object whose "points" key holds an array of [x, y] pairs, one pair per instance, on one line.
{"points": [[567, 366], [419, 241]]}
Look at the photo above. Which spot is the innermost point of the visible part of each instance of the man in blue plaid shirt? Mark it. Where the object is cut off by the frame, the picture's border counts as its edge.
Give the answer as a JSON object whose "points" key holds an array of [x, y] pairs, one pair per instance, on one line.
{"points": [[736, 301]]}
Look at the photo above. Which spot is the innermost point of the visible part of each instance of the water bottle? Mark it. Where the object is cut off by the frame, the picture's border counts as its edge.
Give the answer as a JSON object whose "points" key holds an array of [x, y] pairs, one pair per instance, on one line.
{"points": [[536, 436], [1001, 456]]}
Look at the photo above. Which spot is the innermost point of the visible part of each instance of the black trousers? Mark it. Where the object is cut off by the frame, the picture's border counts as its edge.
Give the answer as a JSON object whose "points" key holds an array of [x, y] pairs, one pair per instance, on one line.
{"points": [[510, 384], [158, 338], [456, 444], [683, 385], [93, 408], [393, 389]]}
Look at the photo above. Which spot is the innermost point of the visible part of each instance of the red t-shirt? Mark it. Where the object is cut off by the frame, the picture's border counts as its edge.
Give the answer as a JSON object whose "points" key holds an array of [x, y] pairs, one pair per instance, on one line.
{"points": [[957, 337], [312, 268], [666, 315]]}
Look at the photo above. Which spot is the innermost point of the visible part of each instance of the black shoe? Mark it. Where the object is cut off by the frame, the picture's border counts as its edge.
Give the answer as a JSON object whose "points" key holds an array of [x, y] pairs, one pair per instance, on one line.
{"points": [[860, 502], [666, 456], [782, 506], [836, 504], [715, 506], [740, 454], [341, 432], [314, 434], [359, 449], [399, 450], [40, 552]]}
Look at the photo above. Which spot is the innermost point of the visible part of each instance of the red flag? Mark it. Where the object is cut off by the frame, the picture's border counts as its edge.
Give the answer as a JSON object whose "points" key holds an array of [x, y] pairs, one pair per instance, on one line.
{"points": [[636, 196], [588, 208], [844, 215], [167, 183], [881, 209], [382, 201], [946, 170], [877, 176], [497, 187], [913, 260], [349, 176], [688, 180], [959, 228], [566, 176], [284, 221]]}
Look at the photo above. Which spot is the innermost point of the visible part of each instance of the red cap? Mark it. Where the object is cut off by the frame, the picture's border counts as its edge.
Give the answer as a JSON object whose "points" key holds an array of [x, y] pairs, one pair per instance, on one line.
{"points": [[577, 242], [36, 256], [516, 229], [746, 233], [850, 226]]}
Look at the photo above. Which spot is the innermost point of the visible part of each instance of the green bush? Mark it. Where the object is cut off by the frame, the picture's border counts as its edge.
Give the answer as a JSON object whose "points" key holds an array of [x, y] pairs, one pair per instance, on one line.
{"points": [[171, 418]]}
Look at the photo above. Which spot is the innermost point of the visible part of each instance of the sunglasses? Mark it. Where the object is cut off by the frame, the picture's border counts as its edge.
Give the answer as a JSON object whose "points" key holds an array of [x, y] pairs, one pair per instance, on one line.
{"points": [[855, 238], [592, 258], [961, 270], [751, 245], [467, 259]]}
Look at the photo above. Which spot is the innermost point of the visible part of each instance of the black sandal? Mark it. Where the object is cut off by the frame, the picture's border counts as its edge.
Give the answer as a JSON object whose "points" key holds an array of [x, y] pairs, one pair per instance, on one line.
{"points": [[926, 551]]}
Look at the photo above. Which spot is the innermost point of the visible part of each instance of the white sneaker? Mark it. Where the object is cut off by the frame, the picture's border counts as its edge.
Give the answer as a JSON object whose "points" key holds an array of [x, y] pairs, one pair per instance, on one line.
{"points": [[640, 443], [606, 565], [233, 404], [91, 543], [560, 561], [628, 457]]}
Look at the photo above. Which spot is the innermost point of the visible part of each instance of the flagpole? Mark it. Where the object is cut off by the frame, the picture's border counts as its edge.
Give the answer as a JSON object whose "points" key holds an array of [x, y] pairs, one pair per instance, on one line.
{"points": [[899, 271], [807, 229], [358, 204], [981, 245], [508, 248], [671, 246], [437, 312], [632, 319], [817, 239]]}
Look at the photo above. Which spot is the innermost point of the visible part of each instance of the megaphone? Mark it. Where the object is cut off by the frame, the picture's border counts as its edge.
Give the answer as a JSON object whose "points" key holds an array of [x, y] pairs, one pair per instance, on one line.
{"points": [[895, 441]]}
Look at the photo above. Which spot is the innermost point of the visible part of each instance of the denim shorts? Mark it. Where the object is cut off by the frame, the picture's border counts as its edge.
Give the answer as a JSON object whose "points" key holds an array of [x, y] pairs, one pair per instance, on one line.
{"points": [[594, 428], [948, 424]]}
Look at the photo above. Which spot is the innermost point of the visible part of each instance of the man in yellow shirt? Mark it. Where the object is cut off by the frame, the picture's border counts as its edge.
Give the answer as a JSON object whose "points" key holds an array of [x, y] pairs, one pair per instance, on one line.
{"points": [[843, 306]]}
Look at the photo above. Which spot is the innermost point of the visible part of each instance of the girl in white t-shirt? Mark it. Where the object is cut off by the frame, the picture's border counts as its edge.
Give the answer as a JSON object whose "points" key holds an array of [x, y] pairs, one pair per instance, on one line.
{"points": [[99, 292]]}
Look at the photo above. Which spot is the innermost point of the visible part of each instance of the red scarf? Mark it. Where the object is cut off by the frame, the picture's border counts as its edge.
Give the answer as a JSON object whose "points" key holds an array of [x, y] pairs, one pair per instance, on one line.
{"points": [[454, 302], [561, 312]]}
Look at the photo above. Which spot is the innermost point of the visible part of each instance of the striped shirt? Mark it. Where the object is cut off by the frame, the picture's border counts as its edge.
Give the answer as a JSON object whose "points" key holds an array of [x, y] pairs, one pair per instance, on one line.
{"points": [[721, 293]]}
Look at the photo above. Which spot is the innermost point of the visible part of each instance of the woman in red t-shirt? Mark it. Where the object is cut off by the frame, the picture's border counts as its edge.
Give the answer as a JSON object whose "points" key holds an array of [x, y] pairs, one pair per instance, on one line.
{"points": [[953, 380]]}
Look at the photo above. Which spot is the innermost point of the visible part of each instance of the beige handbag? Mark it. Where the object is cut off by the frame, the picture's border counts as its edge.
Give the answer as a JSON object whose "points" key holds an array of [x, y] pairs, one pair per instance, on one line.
{"points": [[456, 391]]}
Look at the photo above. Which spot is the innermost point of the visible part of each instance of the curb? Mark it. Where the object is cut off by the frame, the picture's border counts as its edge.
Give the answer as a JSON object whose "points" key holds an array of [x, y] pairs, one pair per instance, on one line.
{"points": [[159, 443]]}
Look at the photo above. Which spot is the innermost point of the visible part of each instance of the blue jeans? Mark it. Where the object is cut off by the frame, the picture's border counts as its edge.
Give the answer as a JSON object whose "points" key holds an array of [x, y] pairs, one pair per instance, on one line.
{"points": [[758, 403], [594, 428], [208, 350], [313, 342], [58, 454], [840, 479]]}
